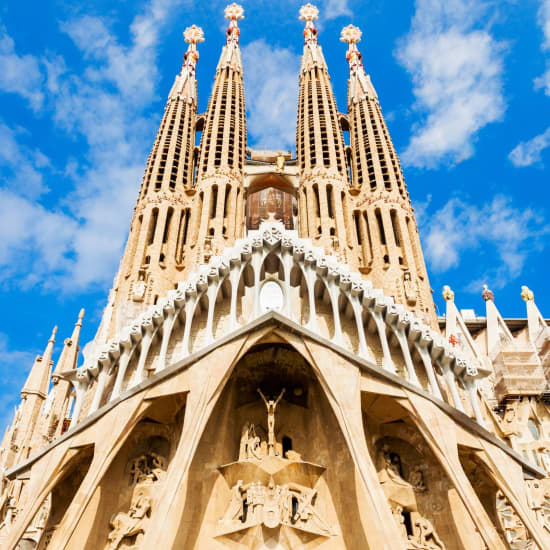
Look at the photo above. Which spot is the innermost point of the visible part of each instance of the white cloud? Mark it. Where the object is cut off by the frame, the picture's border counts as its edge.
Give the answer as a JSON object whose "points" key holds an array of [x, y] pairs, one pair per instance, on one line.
{"points": [[456, 68], [79, 242], [501, 230], [271, 79], [34, 240], [22, 168], [336, 8], [543, 81], [529, 152], [19, 74]]}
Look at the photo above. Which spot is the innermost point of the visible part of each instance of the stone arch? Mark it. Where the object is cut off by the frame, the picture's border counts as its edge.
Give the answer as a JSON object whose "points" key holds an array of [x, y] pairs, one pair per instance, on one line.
{"points": [[222, 307], [487, 492], [324, 279], [133, 480], [59, 499], [323, 308], [304, 416], [414, 482]]}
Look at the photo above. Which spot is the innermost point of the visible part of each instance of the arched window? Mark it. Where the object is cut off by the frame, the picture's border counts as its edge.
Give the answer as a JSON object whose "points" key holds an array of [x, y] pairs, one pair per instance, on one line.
{"points": [[271, 198]]}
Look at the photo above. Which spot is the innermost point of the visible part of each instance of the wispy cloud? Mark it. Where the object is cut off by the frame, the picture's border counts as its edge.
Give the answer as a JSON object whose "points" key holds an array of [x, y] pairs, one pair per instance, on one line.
{"points": [[19, 74], [456, 67], [507, 235], [105, 102], [336, 8], [271, 78], [529, 152], [543, 81], [22, 167], [36, 243]]}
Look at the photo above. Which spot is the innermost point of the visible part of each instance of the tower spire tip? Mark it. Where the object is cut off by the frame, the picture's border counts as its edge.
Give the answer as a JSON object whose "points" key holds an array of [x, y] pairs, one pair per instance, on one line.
{"points": [[351, 34], [309, 13], [193, 34]]}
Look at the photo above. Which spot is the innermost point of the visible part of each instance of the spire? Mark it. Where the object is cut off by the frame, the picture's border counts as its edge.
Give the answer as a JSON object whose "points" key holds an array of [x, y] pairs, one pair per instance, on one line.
{"points": [[360, 85], [222, 152], [320, 149], [186, 83], [231, 53], [69, 355], [39, 377], [385, 227], [313, 54], [157, 241]]}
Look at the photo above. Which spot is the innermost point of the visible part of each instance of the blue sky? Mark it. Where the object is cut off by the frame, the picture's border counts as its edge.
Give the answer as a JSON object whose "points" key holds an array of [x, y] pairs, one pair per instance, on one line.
{"points": [[464, 85]]}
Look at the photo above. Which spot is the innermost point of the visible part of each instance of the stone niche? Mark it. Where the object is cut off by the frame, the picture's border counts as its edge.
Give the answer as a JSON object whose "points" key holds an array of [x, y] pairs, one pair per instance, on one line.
{"points": [[53, 509], [425, 505], [123, 506], [272, 469]]}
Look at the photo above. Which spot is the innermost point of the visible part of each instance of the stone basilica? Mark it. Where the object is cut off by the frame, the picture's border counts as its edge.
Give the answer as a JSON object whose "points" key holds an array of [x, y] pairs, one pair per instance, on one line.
{"points": [[270, 371]]}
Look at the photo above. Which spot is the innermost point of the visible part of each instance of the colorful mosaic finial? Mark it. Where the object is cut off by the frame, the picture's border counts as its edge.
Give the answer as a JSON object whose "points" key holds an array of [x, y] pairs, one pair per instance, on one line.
{"points": [[193, 34], [234, 12], [487, 294], [527, 294], [448, 294], [351, 34], [309, 13]]}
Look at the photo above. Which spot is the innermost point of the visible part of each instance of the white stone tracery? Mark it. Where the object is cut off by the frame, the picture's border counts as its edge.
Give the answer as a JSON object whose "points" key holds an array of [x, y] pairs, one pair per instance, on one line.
{"points": [[108, 369]]}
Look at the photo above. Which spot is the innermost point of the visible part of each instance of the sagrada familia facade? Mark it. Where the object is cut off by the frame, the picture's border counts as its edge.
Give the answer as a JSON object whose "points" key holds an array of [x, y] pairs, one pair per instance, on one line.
{"points": [[270, 371]]}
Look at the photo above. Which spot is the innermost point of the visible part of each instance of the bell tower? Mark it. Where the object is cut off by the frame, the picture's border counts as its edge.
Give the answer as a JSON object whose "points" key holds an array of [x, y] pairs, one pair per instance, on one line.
{"points": [[320, 148], [154, 254], [219, 205], [389, 249]]}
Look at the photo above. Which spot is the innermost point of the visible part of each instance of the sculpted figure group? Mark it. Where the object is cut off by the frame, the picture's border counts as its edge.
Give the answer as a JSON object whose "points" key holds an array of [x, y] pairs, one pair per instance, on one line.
{"points": [[272, 505], [146, 471]]}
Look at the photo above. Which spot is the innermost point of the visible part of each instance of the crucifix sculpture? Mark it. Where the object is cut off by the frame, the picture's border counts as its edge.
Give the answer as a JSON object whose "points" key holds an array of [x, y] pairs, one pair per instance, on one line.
{"points": [[271, 405]]}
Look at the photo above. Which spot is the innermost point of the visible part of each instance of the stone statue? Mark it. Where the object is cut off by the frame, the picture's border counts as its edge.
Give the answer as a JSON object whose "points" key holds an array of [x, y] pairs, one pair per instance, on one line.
{"points": [[417, 479], [271, 405], [243, 447], [147, 467], [397, 512], [390, 472], [124, 525], [426, 536], [235, 510], [253, 446]]}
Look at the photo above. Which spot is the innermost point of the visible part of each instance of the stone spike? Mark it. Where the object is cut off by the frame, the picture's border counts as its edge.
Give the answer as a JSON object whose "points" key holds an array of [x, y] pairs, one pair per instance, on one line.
{"points": [[313, 54], [360, 85], [185, 86], [69, 355], [39, 378], [231, 53]]}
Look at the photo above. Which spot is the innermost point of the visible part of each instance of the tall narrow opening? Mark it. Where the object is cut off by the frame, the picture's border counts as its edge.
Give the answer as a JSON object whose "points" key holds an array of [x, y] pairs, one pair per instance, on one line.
{"points": [[380, 226]]}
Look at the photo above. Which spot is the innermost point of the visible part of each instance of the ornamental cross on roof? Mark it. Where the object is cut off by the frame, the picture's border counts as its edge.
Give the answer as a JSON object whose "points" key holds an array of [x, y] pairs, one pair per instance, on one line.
{"points": [[309, 13], [234, 12]]}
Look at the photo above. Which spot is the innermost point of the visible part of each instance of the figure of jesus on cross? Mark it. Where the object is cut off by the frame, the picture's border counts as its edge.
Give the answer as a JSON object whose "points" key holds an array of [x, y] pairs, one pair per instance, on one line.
{"points": [[271, 405]]}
